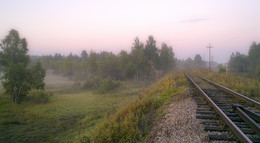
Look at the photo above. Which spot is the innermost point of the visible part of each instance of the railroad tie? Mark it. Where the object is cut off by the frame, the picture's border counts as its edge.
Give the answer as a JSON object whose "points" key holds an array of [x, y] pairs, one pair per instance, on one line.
{"points": [[222, 137], [214, 129], [206, 117]]}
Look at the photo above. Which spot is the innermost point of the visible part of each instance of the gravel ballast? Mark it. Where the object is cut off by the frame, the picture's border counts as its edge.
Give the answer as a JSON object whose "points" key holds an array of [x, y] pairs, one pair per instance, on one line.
{"points": [[179, 124]]}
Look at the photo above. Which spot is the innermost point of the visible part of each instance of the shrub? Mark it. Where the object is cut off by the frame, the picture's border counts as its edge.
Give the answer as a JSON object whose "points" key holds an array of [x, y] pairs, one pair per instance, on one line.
{"points": [[101, 85], [222, 70], [76, 84], [39, 97], [108, 85], [92, 83]]}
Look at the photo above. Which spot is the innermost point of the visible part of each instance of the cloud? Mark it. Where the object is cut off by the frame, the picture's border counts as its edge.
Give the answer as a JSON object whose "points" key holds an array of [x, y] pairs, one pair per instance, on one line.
{"points": [[194, 20]]}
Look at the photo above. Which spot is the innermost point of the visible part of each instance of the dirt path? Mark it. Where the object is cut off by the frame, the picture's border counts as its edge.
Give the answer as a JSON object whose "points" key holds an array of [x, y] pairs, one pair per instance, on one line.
{"points": [[179, 124]]}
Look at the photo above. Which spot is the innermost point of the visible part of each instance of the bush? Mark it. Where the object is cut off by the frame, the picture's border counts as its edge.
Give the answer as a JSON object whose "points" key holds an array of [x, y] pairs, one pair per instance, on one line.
{"points": [[76, 84], [221, 69], [39, 97], [101, 85], [92, 83], [108, 85]]}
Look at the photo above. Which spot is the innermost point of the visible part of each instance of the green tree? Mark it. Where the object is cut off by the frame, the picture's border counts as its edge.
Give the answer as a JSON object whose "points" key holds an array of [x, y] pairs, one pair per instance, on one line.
{"points": [[188, 63], [254, 60], [38, 75], [237, 62], [84, 55], [138, 59], [166, 58], [221, 68], [92, 62], [198, 61], [57, 57], [14, 60], [108, 65], [66, 67], [124, 59], [151, 52]]}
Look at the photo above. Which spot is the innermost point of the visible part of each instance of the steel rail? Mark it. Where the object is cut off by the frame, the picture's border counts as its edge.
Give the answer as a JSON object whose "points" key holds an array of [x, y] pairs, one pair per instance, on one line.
{"points": [[247, 99], [253, 124], [234, 129], [252, 114]]}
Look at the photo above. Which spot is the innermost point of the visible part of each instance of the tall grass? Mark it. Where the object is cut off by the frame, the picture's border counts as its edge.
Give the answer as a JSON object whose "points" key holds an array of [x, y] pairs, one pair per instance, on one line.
{"points": [[130, 123], [244, 85]]}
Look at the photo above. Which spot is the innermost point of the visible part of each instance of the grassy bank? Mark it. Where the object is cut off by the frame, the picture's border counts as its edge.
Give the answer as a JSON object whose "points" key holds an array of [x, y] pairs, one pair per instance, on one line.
{"points": [[69, 112], [244, 85], [131, 121]]}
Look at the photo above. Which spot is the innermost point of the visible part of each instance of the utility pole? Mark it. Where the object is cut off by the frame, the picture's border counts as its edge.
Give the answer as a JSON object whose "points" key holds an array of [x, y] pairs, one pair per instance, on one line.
{"points": [[209, 57], [212, 61]]}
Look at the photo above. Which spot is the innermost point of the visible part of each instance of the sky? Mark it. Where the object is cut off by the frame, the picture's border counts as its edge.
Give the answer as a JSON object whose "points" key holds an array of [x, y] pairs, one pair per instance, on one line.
{"points": [[189, 26]]}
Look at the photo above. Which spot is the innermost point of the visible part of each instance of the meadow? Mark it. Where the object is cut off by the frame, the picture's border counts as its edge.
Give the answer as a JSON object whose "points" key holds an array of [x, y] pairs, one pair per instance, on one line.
{"points": [[70, 111]]}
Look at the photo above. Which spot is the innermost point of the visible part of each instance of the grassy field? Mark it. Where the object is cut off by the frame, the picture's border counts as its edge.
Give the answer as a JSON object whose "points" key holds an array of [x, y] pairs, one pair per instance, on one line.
{"points": [[70, 112]]}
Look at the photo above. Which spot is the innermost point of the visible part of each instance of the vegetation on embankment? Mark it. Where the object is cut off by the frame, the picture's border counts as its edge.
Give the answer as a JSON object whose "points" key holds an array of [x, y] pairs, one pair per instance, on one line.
{"points": [[244, 85], [130, 123]]}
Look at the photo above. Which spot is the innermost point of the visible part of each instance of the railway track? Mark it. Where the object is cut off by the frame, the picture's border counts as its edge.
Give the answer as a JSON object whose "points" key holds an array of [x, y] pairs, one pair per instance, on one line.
{"points": [[226, 114]]}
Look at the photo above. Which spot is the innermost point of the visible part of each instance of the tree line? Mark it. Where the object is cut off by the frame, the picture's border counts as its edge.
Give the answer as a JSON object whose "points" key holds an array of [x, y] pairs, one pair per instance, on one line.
{"points": [[144, 61], [190, 63], [249, 64]]}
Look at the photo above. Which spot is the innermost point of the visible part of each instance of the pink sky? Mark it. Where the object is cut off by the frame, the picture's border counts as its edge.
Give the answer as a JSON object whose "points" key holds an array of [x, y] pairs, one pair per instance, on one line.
{"points": [[62, 26]]}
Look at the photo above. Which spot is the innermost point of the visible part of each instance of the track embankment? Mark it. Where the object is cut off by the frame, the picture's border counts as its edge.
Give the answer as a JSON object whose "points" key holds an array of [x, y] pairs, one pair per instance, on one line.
{"points": [[227, 115], [210, 113]]}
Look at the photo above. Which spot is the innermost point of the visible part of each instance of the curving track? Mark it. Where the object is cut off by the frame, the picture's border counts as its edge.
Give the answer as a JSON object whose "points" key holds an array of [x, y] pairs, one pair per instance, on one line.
{"points": [[228, 115]]}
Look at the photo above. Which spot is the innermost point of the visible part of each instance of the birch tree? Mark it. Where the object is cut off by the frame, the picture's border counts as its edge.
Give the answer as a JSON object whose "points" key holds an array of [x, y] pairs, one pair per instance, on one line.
{"points": [[14, 59]]}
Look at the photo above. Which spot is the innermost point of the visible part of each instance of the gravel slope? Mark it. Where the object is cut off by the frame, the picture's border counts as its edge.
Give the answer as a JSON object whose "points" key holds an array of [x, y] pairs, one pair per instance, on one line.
{"points": [[179, 124]]}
